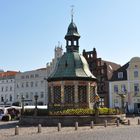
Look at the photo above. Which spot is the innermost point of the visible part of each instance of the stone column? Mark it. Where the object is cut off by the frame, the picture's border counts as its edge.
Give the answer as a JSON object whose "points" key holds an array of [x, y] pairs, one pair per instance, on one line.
{"points": [[52, 95], [62, 92], [88, 94]]}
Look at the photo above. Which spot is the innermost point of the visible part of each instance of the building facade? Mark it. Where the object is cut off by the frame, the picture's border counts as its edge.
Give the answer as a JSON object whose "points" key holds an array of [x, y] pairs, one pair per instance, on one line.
{"points": [[103, 70], [7, 88], [31, 83], [126, 81]]}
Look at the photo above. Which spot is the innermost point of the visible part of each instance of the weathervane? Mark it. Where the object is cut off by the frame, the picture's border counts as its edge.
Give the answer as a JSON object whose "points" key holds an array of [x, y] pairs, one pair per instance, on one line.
{"points": [[72, 12]]}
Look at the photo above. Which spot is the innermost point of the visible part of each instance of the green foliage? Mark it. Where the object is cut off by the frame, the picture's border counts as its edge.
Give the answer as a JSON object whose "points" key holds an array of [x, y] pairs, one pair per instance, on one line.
{"points": [[80, 112], [107, 111], [7, 117], [70, 112]]}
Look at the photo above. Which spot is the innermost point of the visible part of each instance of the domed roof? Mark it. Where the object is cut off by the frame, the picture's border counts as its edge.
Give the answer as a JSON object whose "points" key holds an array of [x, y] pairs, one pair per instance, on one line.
{"points": [[72, 66], [72, 30]]}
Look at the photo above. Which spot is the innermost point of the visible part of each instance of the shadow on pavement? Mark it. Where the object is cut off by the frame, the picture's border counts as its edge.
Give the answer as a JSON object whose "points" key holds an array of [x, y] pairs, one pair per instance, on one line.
{"points": [[7, 125]]}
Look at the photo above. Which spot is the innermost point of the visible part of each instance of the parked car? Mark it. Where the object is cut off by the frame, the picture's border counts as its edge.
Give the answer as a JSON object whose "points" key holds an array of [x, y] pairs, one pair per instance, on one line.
{"points": [[2, 112]]}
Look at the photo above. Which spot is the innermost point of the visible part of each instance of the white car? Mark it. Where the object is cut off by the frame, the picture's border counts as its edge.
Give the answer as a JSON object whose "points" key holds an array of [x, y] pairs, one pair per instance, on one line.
{"points": [[1, 115]]}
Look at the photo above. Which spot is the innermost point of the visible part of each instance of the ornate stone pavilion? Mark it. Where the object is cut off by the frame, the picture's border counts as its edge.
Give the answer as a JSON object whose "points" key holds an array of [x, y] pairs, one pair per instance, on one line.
{"points": [[71, 85]]}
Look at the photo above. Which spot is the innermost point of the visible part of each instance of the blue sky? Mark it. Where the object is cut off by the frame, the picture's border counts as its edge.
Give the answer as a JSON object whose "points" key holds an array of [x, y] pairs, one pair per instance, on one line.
{"points": [[30, 29]]}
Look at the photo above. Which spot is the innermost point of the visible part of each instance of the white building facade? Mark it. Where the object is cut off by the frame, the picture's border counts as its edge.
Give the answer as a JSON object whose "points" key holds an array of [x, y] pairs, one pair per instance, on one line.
{"points": [[31, 83], [126, 81], [7, 88]]}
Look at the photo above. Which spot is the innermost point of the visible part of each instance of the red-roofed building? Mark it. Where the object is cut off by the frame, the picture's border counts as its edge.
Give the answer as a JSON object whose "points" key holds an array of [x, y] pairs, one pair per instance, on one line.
{"points": [[7, 87]]}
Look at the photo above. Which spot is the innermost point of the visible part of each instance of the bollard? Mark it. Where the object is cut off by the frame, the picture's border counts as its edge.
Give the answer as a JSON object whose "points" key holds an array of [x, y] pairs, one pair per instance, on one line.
{"points": [[129, 122], [133, 115], [17, 130], [91, 124], [39, 128], [118, 122], [105, 124], [76, 125], [59, 127], [138, 121]]}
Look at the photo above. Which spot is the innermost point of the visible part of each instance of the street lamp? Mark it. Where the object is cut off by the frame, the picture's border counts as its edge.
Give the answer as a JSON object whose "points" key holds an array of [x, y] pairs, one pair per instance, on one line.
{"points": [[36, 98]]}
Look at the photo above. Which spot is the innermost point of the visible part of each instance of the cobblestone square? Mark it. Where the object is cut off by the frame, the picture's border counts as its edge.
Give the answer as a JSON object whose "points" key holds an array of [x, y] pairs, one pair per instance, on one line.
{"points": [[123, 132]]}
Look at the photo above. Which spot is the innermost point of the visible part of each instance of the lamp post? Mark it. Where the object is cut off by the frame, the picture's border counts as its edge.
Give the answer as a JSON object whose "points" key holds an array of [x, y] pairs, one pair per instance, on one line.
{"points": [[22, 104], [36, 98]]}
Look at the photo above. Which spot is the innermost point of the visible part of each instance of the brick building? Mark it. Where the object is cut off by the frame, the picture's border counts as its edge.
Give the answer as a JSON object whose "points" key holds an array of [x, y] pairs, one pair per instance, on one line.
{"points": [[103, 71]]}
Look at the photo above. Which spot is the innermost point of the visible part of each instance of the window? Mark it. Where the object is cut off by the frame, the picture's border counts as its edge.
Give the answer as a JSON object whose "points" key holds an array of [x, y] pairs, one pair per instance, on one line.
{"points": [[42, 95], [42, 83], [32, 76], [27, 96], [120, 75], [22, 85], [74, 42], [32, 83], [31, 95], [22, 77], [82, 95], [27, 84], [123, 88], [57, 94], [116, 88], [69, 94], [36, 83], [11, 88], [17, 86], [6, 89], [17, 96], [2, 99], [36, 75], [136, 88], [135, 73], [27, 76], [2, 88], [10, 98], [102, 101]]}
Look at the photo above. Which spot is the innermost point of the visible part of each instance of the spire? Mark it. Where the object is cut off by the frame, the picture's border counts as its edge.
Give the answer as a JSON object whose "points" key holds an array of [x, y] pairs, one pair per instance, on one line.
{"points": [[72, 36], [72, 12]]}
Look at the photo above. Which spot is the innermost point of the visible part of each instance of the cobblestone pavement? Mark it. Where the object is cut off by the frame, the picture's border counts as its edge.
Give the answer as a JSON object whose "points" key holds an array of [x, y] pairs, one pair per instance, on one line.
{"points": [[123, 132]]}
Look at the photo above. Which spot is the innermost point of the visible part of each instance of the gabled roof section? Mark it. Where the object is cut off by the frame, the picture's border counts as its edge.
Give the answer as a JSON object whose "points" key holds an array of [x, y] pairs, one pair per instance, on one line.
{"points": [[111, 67], [122, 69]]}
